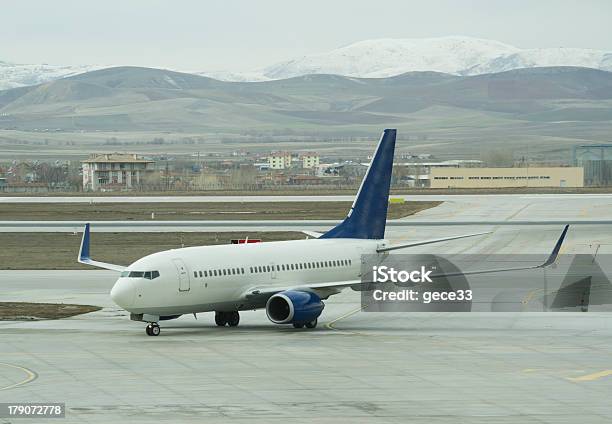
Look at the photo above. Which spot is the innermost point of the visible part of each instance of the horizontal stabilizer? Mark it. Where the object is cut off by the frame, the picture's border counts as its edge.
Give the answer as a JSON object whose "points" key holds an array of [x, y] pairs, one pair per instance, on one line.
{"points": [[313, 234]]}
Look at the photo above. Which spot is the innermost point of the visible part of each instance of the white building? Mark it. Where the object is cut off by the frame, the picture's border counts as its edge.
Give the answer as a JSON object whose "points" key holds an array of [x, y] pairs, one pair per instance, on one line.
{"points": [[279, 160], [114, 171], [309, 160]]}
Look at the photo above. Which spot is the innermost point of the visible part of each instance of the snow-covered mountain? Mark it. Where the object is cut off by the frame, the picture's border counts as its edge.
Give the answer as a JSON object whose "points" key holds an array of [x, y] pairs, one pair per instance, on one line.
{"points": [[531, 58], [17, 75], [254, 76], [453, 55], [370, 59], [389, 57]]}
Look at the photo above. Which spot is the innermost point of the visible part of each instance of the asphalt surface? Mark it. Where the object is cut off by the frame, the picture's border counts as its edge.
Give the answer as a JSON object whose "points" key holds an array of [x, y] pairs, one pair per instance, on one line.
{"points": [[440, 367], [308, 198]]}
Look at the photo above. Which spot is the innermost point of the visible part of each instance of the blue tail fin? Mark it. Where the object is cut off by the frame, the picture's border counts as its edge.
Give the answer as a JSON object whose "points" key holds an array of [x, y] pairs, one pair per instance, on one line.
{"points": [[368, 215]]}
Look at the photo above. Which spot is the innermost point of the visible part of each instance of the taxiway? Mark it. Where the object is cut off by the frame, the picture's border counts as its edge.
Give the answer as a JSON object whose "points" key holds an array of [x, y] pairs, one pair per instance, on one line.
{"points": [[368, 367]]}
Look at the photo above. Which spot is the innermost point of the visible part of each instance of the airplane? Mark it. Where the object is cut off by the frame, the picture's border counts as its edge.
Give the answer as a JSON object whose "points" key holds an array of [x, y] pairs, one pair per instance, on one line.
{"points": [[289, 279]]}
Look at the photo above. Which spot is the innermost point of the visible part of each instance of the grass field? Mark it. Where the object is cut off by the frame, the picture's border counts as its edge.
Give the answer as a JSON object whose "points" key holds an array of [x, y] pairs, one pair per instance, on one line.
{"points": [[23, 311], [192, 211], [59, 250]]}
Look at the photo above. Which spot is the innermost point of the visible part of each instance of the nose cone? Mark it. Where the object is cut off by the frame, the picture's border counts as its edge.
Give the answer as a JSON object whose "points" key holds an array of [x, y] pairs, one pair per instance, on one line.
{"points": [[123, 293]]}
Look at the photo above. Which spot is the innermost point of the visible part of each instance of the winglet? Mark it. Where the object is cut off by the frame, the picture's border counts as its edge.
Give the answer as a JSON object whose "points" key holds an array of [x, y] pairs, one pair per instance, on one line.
{"points": [[553, 256], [84, 257], [84, 250]]}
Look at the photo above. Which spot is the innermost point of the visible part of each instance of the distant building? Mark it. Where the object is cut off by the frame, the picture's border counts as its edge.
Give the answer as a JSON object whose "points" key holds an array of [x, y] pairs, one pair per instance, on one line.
{"points": [[279, 160], [506, 177], [349, 169], [427, 166], [311, 180], [596, 159], [22, 172], [309, 160], [114, 171], [26, 187]]}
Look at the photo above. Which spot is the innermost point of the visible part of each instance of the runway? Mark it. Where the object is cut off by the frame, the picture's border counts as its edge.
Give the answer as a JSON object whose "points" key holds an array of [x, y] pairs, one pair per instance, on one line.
{"points": [[456, 210], [282, 198], [356, 366], [228, 226]]}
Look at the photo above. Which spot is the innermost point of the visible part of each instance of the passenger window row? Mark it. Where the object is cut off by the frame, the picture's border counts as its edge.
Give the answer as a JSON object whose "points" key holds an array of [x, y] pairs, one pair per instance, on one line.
{"points": [[218, 272], [301, 265], [269, 268]]}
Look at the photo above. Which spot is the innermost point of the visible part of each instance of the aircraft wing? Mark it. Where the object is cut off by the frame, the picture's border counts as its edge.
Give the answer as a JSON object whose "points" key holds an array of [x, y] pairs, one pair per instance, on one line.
{"points": [[552, 258], [333, 287], [421, 243], [315, 234], [84, 258]]}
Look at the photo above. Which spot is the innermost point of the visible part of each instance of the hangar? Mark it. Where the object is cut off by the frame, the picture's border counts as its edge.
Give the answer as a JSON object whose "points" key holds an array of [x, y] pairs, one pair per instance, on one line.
{"points": [[506, 177]]}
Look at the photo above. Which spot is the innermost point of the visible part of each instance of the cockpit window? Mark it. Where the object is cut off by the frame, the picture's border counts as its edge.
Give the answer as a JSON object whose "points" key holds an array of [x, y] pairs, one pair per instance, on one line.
{"points": [[149, 275]]}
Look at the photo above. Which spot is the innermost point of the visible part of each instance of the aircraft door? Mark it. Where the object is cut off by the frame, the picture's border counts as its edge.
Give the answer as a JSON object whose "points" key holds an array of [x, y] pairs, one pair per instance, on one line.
{"points": [[273, 273], [183, 275]]}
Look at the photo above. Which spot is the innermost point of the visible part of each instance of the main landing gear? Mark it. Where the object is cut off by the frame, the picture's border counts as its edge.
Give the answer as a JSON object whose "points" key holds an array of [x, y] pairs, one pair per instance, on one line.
{"points": [[310, 324], [153, 329], [231, 318]]}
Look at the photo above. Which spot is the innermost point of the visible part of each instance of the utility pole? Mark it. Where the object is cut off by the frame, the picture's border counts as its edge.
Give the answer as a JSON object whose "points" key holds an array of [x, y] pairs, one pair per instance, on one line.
{"points": [[167, 176]]}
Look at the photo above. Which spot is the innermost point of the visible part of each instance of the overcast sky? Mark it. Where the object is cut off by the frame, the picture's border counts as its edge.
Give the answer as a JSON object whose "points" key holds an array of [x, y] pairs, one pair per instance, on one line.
{"points": [[239, 35]]}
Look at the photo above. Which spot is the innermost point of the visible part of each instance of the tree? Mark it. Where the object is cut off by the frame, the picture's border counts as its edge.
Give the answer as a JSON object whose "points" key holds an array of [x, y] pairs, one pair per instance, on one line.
{"points": [[498, 158]]}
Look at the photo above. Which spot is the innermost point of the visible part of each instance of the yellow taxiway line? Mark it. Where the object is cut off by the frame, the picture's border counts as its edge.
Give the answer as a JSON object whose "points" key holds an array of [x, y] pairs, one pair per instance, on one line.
{"points": [[330, 325], [591, 377], [31, 376]]}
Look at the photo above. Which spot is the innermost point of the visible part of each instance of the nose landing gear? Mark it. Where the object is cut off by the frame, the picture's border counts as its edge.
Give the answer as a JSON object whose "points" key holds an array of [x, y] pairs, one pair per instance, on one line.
{"points": [[153, 329]]}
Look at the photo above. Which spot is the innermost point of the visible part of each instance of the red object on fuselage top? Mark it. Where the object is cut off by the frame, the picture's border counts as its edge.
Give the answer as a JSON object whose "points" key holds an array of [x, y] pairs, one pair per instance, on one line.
{"points": [[243, 241]]}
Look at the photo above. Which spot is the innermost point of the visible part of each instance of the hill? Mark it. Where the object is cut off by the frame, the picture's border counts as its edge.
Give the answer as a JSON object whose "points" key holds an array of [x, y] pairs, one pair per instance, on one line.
{"points": [[533, 103]]}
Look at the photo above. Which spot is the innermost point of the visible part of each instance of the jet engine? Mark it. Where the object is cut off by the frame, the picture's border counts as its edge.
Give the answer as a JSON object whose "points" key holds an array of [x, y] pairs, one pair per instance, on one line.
{"points": [[294, 307]]}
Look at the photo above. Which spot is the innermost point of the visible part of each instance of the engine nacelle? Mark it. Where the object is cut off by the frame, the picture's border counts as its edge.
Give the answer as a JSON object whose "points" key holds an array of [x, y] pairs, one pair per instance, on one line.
{"points": [[293, 306]]}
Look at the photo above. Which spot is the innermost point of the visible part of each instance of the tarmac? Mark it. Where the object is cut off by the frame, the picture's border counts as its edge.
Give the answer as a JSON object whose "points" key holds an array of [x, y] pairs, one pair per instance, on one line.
{"points": [[442, 367]]}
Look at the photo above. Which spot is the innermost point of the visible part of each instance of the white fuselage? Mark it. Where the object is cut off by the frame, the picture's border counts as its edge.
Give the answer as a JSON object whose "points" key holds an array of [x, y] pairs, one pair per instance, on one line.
{"points": [[217, 278]]}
